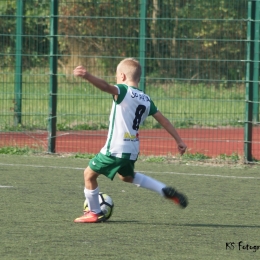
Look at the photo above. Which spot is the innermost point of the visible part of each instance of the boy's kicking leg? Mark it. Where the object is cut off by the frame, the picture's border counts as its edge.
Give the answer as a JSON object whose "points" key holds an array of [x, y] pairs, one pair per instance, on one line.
{"points": [[147, 182], [91, 192]]}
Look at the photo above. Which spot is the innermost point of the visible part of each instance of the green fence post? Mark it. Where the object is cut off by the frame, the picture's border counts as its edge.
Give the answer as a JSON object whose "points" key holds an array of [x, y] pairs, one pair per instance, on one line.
{"points": [[249, 83], [256, 64], [142, 43], [53, 77], [18, 64]]}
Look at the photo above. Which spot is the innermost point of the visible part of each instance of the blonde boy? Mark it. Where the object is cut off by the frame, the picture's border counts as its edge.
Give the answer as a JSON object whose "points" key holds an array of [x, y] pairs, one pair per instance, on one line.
{"points": [[130, 108]]}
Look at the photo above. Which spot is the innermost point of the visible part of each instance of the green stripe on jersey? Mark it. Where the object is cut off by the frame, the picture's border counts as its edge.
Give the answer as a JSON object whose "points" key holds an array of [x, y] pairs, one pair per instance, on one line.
{"points": [[123, 90], [112, 130], [153, 108]]}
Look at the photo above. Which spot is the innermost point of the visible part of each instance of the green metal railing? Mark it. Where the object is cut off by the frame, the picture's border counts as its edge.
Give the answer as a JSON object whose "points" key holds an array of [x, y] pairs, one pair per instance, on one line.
{"points": [[18, 64], [200, 65], [252, 76], [52, 120]]}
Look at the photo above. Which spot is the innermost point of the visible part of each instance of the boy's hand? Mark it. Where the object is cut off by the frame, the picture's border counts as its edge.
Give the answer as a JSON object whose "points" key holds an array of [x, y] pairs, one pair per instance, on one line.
{"points": [[182, 148], [80, 71]]}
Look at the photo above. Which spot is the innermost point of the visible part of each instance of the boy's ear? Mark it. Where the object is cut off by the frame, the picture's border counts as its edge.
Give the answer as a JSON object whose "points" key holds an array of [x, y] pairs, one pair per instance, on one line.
{"points": [[123, 76]]}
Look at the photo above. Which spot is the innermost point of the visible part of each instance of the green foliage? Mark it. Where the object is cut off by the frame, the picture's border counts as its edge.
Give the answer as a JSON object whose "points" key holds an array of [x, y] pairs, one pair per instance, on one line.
{"points": [[7, 28], [35, 46], [200, 44], [102, 34], [6, 126], [15, 150], [82, 107], [80, 126], [204, 36], [84, 155], [234, 157], [194, 156], [196, 40], [154, 159], [186, 122]]}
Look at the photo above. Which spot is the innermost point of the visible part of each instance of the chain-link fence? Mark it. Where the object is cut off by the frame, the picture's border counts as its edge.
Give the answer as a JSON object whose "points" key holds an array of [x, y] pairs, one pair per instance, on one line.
{"points": [[199, 65]]}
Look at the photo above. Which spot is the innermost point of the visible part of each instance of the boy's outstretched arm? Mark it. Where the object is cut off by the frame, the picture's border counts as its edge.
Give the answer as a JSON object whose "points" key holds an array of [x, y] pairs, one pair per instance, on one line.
{"points": [[80, 71], [163, 121]]}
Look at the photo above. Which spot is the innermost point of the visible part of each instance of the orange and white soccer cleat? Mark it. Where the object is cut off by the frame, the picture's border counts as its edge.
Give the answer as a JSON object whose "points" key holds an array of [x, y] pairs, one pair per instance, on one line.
{"points": [[91, 217]]}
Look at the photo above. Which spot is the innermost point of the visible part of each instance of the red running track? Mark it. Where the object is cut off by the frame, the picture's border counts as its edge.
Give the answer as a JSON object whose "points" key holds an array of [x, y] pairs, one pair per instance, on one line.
{"points": [[211, 142]]}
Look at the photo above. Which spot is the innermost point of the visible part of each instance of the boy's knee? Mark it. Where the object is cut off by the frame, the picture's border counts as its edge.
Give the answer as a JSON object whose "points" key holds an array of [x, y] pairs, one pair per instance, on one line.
{"points": [[89, 174], [126, 178]]}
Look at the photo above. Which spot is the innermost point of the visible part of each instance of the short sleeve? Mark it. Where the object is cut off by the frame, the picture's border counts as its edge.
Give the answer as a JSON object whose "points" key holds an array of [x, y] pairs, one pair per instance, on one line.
{"points": [[122, 92], [153, 108]]}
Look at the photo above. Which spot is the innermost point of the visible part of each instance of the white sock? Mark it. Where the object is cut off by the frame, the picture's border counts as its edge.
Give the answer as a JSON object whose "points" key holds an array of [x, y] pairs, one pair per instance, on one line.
{"points": [[93, 200], [141, 180]]}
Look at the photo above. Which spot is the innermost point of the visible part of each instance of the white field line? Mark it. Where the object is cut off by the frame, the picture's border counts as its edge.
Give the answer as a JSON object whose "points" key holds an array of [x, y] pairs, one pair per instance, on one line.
{"points": [[6, 186], [176, 173]]}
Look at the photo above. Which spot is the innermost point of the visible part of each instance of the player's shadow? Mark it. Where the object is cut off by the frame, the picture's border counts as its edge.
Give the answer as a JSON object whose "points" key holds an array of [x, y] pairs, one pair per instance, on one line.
{"points": [[122, 221], [183, 225], [219, 225]]}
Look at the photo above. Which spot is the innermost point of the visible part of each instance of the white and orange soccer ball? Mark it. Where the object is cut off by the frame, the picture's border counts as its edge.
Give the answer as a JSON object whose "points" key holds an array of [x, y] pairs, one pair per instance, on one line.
{"points": [[106, 204]]}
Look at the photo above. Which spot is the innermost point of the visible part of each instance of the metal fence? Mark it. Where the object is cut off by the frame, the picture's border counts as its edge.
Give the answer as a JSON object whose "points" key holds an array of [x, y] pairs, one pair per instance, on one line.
{"points": [[200, 66]]}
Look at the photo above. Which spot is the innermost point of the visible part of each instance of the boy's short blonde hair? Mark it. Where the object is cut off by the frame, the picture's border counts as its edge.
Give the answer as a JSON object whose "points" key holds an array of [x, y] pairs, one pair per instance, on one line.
{"points": [[131, 68]]}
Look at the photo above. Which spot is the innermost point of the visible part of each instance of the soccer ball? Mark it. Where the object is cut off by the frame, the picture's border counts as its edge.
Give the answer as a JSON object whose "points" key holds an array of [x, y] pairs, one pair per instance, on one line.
{"points": [[106, 204]]}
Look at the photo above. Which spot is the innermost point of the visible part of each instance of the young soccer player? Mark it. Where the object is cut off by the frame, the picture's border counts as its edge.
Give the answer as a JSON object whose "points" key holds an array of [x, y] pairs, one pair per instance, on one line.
{"points": [[119, 154]]}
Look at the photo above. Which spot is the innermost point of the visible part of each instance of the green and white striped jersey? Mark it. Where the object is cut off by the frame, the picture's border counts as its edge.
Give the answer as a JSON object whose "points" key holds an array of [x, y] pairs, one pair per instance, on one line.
{"points": [[130, 109]]}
